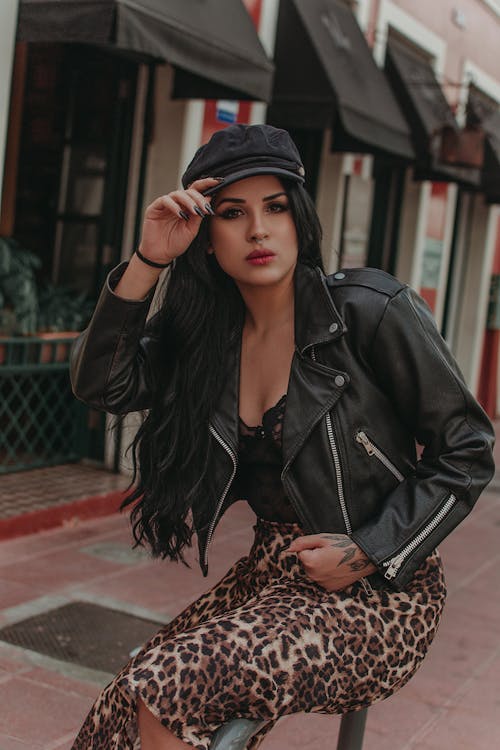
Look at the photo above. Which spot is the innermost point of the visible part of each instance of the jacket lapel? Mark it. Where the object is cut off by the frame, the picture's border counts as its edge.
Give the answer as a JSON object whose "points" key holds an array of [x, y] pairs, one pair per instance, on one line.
{"points": [[312, 392], [317, 320], [312, 388]]}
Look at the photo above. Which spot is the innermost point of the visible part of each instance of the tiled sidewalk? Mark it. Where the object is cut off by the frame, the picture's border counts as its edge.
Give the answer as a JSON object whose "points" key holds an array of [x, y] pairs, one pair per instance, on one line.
{"points": [[451, 704], [46, 498], [54, 486]]}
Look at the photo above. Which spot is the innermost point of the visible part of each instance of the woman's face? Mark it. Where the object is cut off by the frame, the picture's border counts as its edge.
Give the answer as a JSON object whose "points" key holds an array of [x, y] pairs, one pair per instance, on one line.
{"points": [[253, 232]]}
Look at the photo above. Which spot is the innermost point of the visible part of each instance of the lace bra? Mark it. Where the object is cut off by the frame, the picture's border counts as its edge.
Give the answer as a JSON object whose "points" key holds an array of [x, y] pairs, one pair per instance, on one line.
{"points": [[258, 479]]}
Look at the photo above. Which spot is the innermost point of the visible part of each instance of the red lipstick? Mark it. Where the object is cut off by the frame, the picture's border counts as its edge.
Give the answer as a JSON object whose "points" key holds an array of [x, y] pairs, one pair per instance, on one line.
{"points": [[260, 257]]}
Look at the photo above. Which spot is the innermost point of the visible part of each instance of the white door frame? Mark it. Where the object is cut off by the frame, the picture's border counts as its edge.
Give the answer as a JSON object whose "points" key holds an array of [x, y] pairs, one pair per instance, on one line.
{"points": [[8, 26], [409, 269]]}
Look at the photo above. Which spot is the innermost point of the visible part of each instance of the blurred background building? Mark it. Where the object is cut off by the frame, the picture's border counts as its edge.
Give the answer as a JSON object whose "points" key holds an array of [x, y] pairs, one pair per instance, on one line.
{"points": [[393, 104]]}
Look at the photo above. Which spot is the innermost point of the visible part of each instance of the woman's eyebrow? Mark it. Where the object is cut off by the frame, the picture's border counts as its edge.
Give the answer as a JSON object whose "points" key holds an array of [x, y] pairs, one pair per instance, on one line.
{"points": [[275, 195], [230, 200], [242, 200]]}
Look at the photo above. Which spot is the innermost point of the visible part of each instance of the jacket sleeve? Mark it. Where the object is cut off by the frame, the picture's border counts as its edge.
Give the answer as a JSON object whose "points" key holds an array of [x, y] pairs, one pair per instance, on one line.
{"points": [[415, 367], [111, 360]]}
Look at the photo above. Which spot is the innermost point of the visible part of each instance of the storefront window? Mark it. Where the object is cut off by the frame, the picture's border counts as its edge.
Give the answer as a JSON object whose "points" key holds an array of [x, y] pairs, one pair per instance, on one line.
{"points": [[356, 222], [434, 243]]}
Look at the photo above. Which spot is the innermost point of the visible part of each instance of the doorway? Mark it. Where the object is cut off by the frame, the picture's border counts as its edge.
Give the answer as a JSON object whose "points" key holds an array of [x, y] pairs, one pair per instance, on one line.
{"points": [[73, 161], [70, 202]]}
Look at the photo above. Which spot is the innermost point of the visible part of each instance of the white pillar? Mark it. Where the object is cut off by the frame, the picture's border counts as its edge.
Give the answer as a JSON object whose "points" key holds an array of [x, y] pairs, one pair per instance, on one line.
{"points": [[8, 24], [329, 202], [412, 233], [166, 148], [134, 170], [267, 34], [193, 126], [475, 291]]}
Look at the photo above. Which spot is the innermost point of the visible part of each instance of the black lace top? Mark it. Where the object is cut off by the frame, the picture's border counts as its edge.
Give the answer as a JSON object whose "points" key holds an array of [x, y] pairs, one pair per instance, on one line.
{"points": [[258, 479]]}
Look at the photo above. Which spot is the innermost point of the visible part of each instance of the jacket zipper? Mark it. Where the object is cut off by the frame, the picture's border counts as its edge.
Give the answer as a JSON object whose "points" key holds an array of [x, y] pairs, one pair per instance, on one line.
{"points": [[394, 564], [372, 450], [223, 496], [336, 463], [340, 484], [338, 473]]}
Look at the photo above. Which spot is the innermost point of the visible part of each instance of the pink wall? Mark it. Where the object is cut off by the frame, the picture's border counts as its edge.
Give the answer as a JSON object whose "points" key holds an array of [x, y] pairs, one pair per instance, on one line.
{"points": [[478, 42]]}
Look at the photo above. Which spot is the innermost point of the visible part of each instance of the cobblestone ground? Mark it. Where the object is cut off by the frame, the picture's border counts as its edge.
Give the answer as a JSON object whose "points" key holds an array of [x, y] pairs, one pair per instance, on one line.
{"points": [[451, 704]]}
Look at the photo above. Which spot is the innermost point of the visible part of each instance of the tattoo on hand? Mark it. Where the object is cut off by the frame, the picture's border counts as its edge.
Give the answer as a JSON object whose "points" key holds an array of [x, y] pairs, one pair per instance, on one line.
{"points": [[359, 565], [343, 542], [338, 540], [348, 555]]}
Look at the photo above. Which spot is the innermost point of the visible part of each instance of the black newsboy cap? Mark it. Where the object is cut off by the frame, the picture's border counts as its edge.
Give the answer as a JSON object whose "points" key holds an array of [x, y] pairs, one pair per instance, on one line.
{"points": [[240, 151]]}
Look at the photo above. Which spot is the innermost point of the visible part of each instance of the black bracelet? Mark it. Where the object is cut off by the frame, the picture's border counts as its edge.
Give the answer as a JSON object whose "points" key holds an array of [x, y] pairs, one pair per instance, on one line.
{"points": [[152, 263]]}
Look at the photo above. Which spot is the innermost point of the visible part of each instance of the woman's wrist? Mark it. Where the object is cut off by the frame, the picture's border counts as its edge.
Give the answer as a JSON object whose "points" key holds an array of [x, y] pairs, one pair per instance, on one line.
{"points": [[137, 280], [152, 263]]}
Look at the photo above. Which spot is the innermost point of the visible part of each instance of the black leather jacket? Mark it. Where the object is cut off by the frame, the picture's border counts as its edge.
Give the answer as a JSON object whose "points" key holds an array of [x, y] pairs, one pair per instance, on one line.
{"points": [[370, 374]]}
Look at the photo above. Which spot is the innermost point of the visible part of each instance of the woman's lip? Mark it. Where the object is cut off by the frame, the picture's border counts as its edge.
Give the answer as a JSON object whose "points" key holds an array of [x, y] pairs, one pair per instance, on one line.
{"points": [[261, 260], [260, 253]]}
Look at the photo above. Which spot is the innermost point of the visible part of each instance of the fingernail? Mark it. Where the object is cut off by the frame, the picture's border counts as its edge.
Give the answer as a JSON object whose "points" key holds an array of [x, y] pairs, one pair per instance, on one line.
{"points": [[198, 211], [184, 215], [219, 179], [209, 209]]}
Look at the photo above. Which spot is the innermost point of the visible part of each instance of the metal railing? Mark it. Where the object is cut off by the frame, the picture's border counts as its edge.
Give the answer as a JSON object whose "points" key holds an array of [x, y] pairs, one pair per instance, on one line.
{"points": [[41, 423]]}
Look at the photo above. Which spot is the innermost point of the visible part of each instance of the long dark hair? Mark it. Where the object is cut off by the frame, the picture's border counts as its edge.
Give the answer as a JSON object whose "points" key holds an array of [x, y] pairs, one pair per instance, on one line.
{"points": [[201, 312]]}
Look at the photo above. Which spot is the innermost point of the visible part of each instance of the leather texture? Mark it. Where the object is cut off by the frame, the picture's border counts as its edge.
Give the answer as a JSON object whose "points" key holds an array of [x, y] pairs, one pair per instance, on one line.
{"points": [[368, 359]]}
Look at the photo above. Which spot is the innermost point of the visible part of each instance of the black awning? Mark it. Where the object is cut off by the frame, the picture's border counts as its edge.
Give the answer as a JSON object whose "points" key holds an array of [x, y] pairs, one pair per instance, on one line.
{"points": [[428, 112], [326, 75], [213, 41], [486, 114]]}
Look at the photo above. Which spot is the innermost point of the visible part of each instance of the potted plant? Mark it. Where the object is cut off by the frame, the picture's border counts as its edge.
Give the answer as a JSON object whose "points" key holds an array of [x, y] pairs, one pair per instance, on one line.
{"points": [[18, 291], [62, 313], [48, 312]]}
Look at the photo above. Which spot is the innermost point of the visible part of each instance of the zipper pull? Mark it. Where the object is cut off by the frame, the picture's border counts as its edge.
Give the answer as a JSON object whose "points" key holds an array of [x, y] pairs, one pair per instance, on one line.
{"points": [[362, 437], [367, 586], [394, 566]]}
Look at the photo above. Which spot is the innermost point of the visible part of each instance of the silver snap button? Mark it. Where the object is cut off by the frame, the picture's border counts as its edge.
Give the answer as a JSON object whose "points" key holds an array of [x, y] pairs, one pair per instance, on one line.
{"points": [[339, 275], [333, 327], [339, 380]]}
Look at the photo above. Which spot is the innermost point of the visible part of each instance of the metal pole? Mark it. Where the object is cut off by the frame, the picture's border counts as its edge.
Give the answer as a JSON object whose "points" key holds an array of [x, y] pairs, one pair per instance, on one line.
{"points": [[352, 730]]}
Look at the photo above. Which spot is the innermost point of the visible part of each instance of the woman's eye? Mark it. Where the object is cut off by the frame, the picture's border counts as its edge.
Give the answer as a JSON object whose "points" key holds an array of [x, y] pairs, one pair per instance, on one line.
{"points": [[277, 207], [230, 213]]}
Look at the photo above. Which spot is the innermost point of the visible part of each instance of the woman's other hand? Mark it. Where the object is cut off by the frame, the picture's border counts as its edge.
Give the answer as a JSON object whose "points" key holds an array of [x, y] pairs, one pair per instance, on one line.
{"points": [[172, 221], [170, 225], [333, 561]]}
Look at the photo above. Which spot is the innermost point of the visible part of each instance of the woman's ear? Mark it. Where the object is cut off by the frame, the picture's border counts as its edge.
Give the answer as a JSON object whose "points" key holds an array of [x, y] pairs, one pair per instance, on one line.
{"points": [[210, 250]]}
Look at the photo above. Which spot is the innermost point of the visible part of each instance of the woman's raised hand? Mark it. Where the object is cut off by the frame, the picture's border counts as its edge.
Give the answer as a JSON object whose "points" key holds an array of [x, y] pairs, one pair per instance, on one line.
{"points": [[172, 221]]}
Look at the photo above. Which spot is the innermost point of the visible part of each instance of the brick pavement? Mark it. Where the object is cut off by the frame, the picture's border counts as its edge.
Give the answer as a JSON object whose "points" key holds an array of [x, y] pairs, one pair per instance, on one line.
{"points": [[451, 704], [40, 489]]}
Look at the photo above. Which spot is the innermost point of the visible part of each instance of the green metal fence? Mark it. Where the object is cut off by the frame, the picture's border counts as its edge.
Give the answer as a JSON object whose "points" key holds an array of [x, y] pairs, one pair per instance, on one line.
{"points": [[41, 423]]}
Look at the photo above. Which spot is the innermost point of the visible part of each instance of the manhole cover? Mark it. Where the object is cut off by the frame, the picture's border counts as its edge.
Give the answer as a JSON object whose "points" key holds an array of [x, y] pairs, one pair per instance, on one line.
{"points": [[83, 633]]}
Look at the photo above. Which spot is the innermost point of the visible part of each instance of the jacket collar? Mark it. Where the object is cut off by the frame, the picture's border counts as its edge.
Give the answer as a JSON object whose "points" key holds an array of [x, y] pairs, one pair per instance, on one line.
{"points": [[317, 320]]}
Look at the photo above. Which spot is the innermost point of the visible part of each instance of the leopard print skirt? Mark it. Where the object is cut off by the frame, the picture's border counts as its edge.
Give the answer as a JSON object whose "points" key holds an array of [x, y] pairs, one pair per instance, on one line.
{"points": [[267, 641]]}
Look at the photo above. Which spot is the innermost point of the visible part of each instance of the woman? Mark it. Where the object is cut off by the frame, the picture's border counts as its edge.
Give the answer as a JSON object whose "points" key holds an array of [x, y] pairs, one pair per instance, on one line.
{"points": [[303, 394]]}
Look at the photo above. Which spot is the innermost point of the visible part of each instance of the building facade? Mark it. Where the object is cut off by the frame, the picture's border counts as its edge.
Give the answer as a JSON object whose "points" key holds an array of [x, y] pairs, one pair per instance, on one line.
{"points": [[394, 106]]}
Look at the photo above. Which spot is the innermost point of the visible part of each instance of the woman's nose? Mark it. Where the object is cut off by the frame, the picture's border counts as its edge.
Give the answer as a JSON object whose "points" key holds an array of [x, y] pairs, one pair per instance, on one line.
{"points": [[257, 230]]}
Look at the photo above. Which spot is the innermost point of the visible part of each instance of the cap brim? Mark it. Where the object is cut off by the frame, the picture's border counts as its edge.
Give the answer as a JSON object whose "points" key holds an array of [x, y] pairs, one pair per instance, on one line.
{"points": [[253, 172]]}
